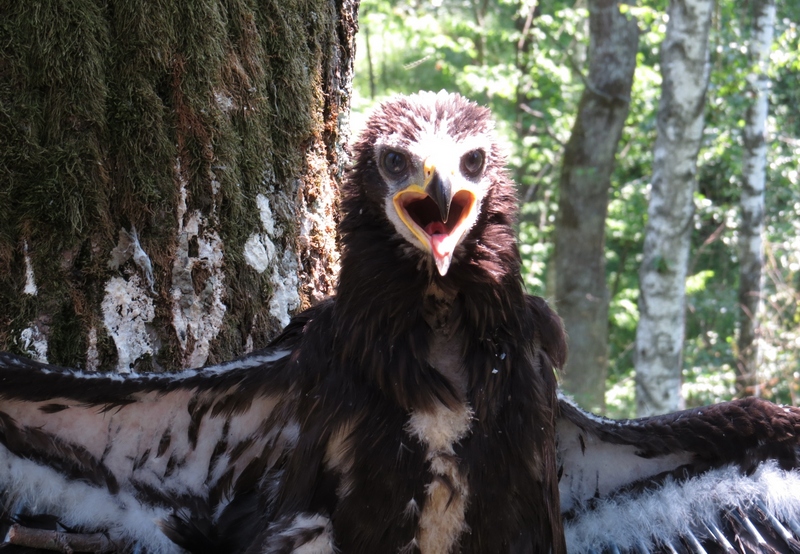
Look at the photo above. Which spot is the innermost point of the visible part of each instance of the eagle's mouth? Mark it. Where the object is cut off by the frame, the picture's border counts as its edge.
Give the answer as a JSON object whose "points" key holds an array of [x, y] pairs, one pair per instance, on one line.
{"points": [[422, 216]]}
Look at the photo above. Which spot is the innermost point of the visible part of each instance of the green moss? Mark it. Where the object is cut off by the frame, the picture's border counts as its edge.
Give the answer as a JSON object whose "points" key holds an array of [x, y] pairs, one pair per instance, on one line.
{"points": [[67, 344], [53, 111], [108, 108]]}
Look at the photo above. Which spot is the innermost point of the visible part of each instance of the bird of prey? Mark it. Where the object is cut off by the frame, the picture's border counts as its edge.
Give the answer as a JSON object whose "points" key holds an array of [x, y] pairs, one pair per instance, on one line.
{"points": [[413, 412], [416, 411]]}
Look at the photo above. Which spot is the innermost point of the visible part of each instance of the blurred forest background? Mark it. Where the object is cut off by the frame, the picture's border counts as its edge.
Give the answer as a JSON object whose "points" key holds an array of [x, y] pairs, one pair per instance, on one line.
{"points": [[528, 61]]}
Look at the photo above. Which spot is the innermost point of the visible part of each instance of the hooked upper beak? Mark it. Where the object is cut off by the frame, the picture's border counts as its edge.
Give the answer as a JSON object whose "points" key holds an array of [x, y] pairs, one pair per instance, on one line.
{"points": [[437, 214], [441, 193]]}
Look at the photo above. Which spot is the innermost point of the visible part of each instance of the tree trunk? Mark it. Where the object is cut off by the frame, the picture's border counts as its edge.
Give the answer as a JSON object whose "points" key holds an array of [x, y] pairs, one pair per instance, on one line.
{"points": [[168, 175], [662, 277], [581, 293], [754, 169]]}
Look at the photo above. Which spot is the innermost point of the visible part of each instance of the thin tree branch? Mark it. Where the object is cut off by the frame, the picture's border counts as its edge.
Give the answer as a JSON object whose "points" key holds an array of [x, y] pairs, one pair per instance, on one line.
{"points": [[548, 131], [526, 28], [59, 542], [586, 82]]}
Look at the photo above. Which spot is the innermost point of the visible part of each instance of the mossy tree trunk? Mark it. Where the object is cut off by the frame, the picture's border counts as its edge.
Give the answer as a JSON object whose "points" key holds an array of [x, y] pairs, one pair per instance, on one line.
{"points": [[168, 175], [581, 292]]}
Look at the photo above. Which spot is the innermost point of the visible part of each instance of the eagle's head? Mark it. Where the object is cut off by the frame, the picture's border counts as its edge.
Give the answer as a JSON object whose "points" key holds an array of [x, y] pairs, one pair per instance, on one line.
{"points": [[429, 168]]}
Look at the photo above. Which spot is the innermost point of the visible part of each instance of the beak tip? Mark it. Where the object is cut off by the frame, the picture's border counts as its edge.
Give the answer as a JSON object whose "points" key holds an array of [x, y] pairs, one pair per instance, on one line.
{"points": [[443, 264]]}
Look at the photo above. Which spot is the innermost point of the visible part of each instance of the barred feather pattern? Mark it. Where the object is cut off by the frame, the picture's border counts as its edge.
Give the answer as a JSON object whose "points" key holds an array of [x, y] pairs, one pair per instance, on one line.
{"points": [[722, 478]]}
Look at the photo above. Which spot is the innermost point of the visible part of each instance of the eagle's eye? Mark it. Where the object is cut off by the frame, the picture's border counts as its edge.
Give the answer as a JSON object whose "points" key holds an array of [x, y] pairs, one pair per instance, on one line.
{"points": [[394, 162], [472, 163]]}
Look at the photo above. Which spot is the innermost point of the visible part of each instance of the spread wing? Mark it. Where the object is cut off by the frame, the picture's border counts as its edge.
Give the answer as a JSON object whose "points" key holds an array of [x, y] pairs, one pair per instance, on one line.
{"points": [[722, 478], [139, 457]]}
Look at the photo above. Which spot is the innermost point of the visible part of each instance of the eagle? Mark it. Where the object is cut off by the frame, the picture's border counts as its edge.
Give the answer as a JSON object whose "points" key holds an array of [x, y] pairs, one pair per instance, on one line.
{"points": [[416, 411]]}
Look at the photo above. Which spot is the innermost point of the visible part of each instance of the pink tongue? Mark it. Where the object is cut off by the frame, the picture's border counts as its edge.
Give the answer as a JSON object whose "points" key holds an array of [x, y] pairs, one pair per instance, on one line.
{"points": [[436, 228], [438, 233]]}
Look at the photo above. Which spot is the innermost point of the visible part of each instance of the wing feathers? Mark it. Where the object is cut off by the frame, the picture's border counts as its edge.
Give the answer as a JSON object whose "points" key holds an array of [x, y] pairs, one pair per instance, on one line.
{"points": [[148, 445], [721, 478], [719, 509]]}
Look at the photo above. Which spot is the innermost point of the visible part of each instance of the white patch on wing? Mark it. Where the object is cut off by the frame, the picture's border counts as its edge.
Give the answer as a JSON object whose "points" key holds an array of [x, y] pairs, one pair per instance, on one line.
{"points": [[279, 439], [443, 517], [594, 417], [600, 467], [127, 439], [41, 490], [661, 516], [304, 534], [247, 362]]}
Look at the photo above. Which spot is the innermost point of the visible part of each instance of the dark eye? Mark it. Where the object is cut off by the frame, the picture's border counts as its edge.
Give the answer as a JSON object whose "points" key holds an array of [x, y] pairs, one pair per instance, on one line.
{"points": [[472, 163], [394, 162]]}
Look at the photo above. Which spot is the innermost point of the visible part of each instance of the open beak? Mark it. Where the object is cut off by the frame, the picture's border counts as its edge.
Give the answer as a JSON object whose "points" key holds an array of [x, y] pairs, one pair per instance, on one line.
{"points": [[436, 214]]}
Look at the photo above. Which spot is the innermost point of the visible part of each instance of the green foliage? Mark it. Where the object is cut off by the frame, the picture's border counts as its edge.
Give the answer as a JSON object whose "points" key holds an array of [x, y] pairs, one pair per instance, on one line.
{"points": [[531, 82]]}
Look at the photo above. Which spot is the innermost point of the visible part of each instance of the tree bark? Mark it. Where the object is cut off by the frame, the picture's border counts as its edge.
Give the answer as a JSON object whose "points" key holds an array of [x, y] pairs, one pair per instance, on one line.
{"points": [[581, 292], [754, 169], [168, 175], [662, 276]]}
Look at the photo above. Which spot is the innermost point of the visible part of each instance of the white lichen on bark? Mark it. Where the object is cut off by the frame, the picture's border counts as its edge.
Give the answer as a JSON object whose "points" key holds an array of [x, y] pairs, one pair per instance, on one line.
{"points": [[662, 277], [260, 254], [128, 247], [259, 250], [128, 307], [198, 282], [92, 354], [33, 340], [127, 310], [30, 280], [754, 167], [285, 293]]}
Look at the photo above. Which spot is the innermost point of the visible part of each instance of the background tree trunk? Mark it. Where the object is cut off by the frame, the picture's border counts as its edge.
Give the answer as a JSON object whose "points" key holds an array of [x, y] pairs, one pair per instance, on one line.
{"points": [[581, 293], [662, 277], [167, 175], [754, 171]]}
